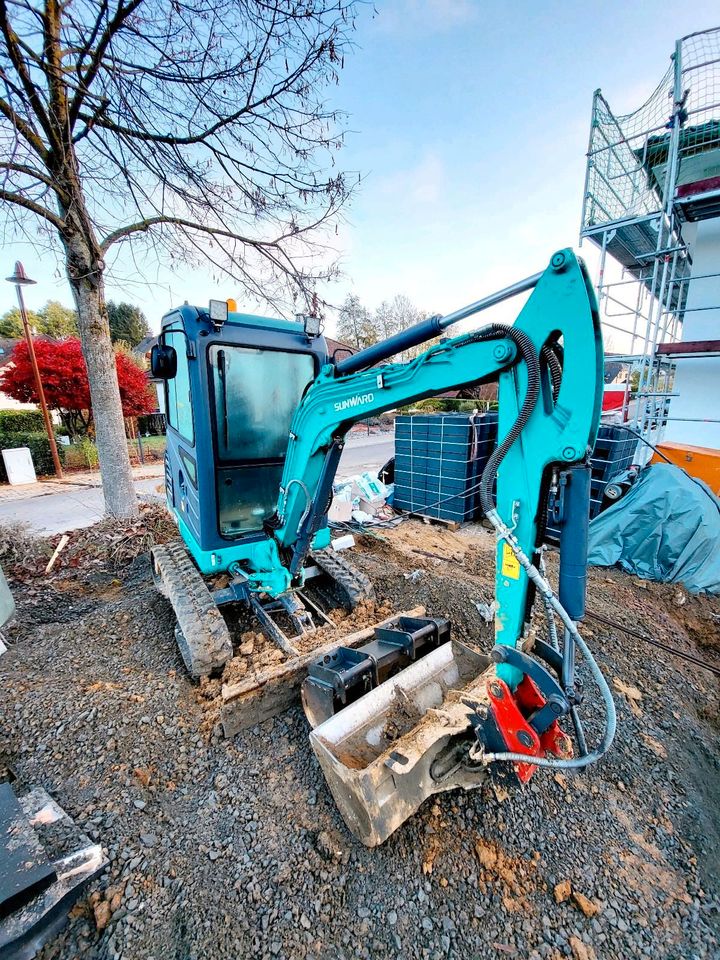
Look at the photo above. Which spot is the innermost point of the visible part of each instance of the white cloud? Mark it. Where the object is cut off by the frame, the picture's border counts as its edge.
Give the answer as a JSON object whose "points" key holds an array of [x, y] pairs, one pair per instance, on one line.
{"points": [[435, 14]]}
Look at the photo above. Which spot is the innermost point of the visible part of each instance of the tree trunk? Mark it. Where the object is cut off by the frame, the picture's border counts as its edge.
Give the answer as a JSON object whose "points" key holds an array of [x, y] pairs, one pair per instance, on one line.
{"points": [[85, 276]]}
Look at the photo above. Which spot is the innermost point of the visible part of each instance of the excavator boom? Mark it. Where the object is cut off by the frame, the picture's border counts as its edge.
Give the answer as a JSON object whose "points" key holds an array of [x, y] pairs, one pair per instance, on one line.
{"points": [[560, 317]]}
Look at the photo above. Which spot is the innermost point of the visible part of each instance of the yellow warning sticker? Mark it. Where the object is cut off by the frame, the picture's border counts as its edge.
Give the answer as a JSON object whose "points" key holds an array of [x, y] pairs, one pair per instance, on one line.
{"points": [[510, 566]]}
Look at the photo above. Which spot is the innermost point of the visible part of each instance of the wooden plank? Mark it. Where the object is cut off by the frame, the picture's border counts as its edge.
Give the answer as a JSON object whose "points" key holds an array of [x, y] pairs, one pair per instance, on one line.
{"points": [[439, 521], [269, 692], [700, 347]]}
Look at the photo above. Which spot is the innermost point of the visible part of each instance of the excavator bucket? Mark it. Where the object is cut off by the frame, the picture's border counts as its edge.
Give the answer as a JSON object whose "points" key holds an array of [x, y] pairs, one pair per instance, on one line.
{"points": [[407, 739]]}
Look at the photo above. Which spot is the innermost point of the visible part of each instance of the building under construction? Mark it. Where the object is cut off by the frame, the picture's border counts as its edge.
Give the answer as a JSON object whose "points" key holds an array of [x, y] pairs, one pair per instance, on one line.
{"points": [[652, 203]]}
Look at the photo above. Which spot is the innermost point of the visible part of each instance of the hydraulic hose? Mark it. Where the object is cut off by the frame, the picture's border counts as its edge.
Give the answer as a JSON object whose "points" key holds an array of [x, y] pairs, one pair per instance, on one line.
{"points": [[547, 593], [530, 356], [527, 351], [550, 357]]}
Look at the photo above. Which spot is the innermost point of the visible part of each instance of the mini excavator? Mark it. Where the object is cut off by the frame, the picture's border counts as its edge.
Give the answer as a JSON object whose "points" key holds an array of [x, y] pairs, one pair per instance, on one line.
{"points": [[257, 417]]}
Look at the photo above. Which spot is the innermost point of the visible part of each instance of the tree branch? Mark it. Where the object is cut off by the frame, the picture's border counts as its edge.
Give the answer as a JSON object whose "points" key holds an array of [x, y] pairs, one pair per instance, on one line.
{"points": [[220, 124], [11, 166], [19, 200], [86, 80], [142, 226], [12, 44], [24, 129]]}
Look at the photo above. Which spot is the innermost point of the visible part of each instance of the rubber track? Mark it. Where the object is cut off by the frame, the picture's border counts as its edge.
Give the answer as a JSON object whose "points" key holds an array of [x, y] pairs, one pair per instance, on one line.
{"points": [[356, 585], [201, 633]]}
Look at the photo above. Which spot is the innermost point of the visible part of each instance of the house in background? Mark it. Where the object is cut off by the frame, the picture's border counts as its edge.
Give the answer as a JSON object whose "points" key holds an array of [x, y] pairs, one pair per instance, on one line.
{"points": [[7, 345]]}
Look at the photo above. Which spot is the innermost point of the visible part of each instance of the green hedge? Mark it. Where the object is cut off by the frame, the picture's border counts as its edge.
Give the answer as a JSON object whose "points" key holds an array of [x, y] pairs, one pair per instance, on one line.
{"points": [[21, 421], [39, 449], [450, 405]]}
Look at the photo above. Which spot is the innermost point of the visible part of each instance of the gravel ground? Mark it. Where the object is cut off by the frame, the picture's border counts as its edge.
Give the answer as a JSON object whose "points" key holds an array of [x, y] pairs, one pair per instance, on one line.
{"points": [[234, 848]]}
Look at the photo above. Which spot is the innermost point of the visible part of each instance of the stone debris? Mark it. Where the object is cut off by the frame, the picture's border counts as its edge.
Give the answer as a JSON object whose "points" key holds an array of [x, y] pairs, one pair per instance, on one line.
{"points": [[562, 891], [225, 848], [588, 907]]}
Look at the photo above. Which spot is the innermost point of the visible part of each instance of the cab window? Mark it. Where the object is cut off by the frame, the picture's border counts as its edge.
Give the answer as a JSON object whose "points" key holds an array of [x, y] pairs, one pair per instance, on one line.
{"points": [[255, 395], [178, 398]]}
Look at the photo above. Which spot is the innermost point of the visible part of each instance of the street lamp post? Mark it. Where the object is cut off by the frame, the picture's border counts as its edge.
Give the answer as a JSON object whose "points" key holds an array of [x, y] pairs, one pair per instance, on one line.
{"points": [[20, 281]]}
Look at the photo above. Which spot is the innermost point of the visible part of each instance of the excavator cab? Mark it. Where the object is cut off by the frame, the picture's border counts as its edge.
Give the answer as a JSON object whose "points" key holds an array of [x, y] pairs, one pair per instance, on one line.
{"points": [[232, 384], [231, 389]]}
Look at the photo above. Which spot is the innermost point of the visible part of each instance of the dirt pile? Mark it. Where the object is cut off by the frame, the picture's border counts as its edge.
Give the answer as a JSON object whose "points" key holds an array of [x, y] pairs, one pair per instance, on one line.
{"points": [[109, 545]]}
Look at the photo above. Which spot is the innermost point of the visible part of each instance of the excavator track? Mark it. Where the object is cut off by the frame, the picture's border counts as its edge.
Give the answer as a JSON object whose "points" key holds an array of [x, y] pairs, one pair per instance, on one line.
{"points": [[201, 632], [352, 582]]}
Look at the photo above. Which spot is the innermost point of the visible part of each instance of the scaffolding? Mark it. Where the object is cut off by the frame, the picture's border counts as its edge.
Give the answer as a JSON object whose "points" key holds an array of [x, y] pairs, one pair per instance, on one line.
{"points": [[649, 174]]}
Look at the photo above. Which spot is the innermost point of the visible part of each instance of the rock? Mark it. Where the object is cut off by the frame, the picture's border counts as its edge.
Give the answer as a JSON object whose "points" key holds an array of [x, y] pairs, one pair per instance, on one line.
{"points": [[631, 694], [143, 775], [115, 902], [562, 891], [486, 854], [501, 794], [148, 839], [588, 907], [247, 647], [657, 748], [330, 846], [139, 804], [102, 914], [580, 950]]}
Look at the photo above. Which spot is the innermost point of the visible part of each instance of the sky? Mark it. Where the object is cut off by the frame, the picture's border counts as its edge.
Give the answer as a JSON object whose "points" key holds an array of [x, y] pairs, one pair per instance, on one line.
{"points": [[469, 122]]}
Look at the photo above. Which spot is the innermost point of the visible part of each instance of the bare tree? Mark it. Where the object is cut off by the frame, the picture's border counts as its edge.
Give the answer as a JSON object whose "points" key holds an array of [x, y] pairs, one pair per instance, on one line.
{"points": [[189, 129], [395, 315], [355, 325]]}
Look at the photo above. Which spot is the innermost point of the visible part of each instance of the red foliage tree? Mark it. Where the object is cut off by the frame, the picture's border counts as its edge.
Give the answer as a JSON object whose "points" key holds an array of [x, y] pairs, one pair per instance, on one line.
{"points": [[65, 381]]}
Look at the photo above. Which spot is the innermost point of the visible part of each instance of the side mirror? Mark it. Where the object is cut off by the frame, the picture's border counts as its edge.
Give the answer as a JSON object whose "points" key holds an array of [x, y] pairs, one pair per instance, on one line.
{"points": [[163, 361]]}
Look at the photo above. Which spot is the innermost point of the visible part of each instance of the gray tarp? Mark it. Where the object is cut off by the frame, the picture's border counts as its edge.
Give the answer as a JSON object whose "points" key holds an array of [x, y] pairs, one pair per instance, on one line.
{"points": [[667, 528]]}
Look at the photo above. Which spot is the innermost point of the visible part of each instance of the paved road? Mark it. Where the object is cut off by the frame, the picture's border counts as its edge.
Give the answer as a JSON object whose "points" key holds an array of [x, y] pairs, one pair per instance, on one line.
{"points": [[366, 453], [82, 505]]}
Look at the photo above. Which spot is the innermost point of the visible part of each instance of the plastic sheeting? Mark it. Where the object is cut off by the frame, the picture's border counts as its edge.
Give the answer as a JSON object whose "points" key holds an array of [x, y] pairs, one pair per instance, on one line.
{"points": [[666, 528]]}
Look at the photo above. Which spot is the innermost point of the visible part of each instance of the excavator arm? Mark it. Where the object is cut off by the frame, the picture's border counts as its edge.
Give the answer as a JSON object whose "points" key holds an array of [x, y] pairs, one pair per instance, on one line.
{"points": [[549, 365], [474, 710]]}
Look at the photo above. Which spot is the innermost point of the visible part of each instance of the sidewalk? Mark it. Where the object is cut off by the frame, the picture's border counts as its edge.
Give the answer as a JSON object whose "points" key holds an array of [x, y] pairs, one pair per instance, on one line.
{"points": [[53, 506], [70, 483]]}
